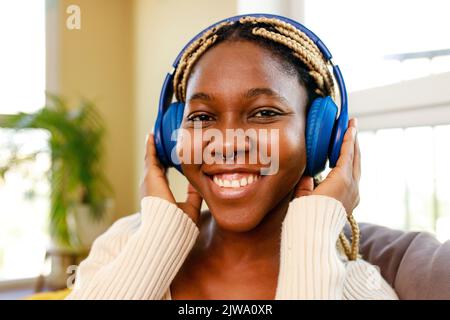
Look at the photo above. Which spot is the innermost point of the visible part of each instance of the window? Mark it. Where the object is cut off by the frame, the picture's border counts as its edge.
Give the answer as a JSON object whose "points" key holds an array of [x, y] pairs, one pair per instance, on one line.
{"points": [[394, 73], [395, 59], [367, 37], [24, 198], [23, 214], [22, 30], [405, 181]]}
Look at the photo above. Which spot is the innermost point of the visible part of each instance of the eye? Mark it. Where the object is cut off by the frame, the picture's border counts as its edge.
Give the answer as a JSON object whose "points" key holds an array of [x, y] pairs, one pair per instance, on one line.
{"points": [[266, 113], [202, 117]]}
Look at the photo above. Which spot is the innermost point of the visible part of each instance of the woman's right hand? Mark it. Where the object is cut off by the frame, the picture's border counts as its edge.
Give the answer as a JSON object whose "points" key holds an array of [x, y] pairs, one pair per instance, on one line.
{"points": [[342, 183], [156, 184]]}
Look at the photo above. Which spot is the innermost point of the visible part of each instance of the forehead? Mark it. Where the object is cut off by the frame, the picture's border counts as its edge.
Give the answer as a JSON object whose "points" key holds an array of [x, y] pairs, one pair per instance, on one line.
{"points": [[231, 68]]}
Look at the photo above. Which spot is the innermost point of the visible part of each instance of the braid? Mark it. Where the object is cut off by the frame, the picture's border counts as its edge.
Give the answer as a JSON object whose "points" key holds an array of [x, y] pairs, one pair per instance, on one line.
{"points": [[289, 42], [190, 63], [351, 250], [314, 64], [355, 237], [345, 245], [303, 48], [300, 45], [190, 56], [285, 28]]}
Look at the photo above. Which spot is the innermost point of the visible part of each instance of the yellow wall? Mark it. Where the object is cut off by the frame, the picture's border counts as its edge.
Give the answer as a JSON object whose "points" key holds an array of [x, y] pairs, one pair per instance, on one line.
{"points": [[96, 62], [119, 59]]}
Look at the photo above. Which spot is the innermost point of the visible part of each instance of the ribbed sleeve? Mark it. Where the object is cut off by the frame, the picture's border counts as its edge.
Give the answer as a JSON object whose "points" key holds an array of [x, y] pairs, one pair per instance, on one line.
{"points": [[363, 281], [310, 267], [139, 256]]}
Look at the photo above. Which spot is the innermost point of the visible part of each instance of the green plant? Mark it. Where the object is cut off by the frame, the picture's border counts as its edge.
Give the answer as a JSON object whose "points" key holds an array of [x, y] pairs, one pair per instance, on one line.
{"points": [[75, 143]]}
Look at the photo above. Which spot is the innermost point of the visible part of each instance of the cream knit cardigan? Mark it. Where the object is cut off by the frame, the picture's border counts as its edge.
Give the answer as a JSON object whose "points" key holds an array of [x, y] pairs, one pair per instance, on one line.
{"points": [[139, 256]]}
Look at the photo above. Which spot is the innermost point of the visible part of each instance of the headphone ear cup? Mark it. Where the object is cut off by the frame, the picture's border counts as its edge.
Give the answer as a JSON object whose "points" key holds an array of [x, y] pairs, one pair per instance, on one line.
{"points": [[170, 123], [319, 127], [337, 137]]}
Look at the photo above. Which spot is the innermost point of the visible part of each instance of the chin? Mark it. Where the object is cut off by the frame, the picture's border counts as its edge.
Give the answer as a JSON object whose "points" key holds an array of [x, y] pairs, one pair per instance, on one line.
{"points": [[237, 219]]}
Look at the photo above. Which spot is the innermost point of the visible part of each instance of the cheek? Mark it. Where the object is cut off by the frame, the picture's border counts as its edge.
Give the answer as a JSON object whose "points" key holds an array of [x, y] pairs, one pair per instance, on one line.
{"points": [[292, 162], [293, 150], [189, 147], [290, 149]]}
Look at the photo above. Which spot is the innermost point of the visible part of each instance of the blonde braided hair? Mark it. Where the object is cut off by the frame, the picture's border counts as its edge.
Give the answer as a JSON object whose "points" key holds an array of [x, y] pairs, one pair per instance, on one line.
{"points": [[190, 56], [301, 47]]}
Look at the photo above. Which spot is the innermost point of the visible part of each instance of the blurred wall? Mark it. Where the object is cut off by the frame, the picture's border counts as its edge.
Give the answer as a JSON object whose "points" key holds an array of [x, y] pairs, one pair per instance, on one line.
{"points": [[161, 29], [96, 62]]}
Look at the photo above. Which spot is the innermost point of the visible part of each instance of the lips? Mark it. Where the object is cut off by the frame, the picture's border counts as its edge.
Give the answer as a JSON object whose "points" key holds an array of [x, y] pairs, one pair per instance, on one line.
{"points": [[233, 183]]}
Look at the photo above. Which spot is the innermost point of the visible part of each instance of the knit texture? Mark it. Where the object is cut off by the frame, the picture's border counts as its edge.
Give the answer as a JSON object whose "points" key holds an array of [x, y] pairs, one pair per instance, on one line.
{"points": [[139, 256]]}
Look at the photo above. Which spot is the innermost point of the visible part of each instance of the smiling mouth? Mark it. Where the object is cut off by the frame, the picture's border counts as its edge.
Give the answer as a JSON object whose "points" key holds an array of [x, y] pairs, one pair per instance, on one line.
{"points": [[234, 185], [235, 180]]}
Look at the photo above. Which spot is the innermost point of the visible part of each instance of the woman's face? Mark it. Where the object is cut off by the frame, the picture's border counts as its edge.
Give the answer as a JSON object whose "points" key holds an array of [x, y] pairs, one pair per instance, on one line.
{"points": [[240, 85]]}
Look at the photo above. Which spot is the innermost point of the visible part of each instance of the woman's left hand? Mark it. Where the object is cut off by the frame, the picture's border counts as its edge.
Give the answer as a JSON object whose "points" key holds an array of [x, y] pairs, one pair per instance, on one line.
{"points": [[342, 183]]}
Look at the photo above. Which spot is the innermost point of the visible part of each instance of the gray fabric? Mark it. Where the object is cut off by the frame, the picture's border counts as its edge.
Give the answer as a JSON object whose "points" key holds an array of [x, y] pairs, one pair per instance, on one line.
{"points": [[415, 264]]}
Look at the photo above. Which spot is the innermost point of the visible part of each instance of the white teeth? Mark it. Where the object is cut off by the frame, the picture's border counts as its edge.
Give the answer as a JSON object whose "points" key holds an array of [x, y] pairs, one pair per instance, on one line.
{"points": [[218, 181], [235, 183]]}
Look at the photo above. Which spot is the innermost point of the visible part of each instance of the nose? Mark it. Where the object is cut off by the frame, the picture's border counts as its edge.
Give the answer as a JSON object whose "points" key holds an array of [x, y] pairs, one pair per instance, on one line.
{"points": [[235, 143], [229, 144]]}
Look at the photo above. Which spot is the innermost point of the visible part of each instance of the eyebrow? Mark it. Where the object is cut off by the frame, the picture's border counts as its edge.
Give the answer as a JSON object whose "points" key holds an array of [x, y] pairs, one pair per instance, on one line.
{"points": [[201, 96], [255, 92], [251, 93]]}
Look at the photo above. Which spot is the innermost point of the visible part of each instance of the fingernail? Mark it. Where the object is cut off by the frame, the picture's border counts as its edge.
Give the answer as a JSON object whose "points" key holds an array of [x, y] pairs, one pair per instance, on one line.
{"points": [[356, 122]]}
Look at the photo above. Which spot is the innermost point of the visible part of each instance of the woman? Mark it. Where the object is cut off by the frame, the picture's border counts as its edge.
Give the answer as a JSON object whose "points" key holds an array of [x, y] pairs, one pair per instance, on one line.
{"points": [[264, 236]]}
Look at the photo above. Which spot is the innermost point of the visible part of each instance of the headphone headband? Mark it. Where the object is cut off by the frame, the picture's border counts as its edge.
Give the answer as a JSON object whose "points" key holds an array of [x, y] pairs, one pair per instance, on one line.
{"points": [[309, 33], [167, 89]]}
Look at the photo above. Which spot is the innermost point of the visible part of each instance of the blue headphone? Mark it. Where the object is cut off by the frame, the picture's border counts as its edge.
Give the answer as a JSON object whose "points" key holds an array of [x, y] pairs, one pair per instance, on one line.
{"points": [[324, 133]]}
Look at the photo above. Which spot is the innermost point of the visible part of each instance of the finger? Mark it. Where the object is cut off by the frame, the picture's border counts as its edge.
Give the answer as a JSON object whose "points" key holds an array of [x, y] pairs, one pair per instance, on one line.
{"points": [[193, 197], [151, 157], [304, 187], [192, 205], [357, 160], [150, 143], [345, 160], [353, 122]]}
